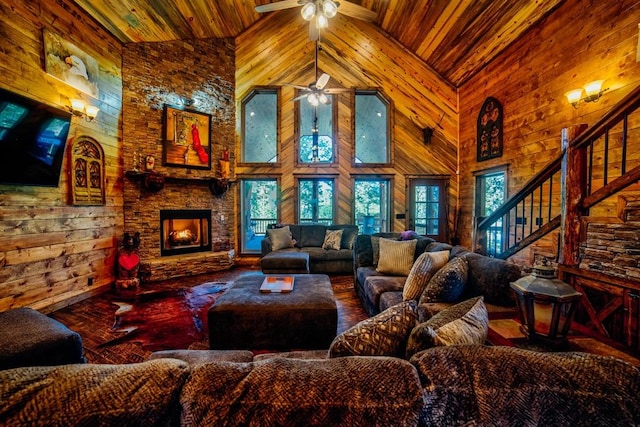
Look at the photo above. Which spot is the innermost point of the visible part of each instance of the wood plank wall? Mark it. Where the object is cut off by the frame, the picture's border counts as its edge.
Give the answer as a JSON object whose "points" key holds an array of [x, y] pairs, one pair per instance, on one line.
{"points": [[356, 55], [50, 248], [578, 43]]}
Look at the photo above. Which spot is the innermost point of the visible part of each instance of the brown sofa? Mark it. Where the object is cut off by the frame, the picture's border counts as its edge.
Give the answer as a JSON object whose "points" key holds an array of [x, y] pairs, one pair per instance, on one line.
{"points": [[455, 385]]}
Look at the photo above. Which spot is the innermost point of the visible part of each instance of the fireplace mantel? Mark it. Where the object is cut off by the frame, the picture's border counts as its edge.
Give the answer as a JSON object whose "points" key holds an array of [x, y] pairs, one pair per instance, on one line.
{"points": [[217, 186]]}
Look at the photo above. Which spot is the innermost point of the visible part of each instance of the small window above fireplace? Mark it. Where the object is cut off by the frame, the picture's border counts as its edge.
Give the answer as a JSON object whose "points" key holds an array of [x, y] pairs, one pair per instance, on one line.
{"points": [[185, 231]]}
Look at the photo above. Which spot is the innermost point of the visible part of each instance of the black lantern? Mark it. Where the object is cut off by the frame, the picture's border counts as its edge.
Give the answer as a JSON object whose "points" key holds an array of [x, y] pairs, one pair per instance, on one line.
{"points": [[546, 305]]}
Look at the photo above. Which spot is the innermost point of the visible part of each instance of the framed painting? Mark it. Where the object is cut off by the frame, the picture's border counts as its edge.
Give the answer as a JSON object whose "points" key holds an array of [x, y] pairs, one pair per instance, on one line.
{"points": [[186, 139], [70, 64], [490, 130]]}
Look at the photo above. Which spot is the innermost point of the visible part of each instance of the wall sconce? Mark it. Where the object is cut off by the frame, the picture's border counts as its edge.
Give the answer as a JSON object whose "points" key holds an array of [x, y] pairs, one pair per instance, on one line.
{"points": [[593, 90], [80, 109]]}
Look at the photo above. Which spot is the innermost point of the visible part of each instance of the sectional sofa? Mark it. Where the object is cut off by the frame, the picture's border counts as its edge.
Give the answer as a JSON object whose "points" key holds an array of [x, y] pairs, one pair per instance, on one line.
{"points": [[455, 385]]}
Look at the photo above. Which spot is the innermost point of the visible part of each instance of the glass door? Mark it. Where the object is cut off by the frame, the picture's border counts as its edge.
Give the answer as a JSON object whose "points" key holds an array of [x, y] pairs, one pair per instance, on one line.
{"points": [[428, 207]]}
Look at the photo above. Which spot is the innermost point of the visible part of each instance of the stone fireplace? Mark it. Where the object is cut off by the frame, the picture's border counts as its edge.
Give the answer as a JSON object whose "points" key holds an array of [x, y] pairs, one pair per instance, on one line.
{"points": [[184, 231], [185, 188]]}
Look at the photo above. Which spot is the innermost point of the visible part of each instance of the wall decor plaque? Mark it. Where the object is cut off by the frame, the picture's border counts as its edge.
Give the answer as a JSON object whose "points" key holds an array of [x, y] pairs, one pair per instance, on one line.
{"points": [[490, 130]]}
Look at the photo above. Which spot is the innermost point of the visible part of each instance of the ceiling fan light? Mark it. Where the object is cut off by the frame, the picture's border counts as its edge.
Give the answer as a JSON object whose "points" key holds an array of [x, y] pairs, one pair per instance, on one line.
{"points": [[329, 8], [313, 99], [308, 11], [322, 21], [323, 98]]}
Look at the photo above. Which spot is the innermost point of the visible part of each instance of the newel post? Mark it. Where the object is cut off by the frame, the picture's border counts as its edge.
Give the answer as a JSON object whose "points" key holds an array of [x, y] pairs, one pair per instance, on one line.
{"points": [[573, 180]]}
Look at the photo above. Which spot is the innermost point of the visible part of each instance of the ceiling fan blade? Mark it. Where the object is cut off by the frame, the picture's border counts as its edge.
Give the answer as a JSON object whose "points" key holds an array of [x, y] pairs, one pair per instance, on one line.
{"points": [[279, 5], [322, 81], [337, 90], [298, 98], [356, 11], [296, 86]]}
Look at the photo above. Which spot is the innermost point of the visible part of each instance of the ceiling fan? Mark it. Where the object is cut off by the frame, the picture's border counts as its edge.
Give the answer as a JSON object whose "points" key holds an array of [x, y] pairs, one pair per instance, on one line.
{"points": [[318, 12], [315, 92]]}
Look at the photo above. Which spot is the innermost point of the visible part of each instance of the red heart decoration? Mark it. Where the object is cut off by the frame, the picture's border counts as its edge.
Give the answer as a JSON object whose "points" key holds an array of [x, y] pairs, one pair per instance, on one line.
{"points": [[128, 261]]}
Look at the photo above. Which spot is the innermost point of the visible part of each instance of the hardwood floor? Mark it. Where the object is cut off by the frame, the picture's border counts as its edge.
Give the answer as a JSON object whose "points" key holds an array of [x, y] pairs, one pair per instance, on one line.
{"points": [[93, 318]]}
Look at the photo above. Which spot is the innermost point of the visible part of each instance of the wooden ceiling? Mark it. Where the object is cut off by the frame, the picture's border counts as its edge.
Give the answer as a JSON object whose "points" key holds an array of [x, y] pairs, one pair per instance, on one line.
{"points": [[456, 38]]}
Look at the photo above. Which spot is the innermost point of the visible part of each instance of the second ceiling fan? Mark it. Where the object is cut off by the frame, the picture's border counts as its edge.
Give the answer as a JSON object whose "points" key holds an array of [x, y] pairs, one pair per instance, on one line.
{"points": [[316, 92]]}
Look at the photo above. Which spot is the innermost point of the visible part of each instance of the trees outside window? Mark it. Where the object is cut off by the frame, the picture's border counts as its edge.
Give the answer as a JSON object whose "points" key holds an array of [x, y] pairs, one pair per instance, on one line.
{"points": [[259, 199], [428, 200], [316, 200], [372, 204], [490, 195], [315, 132]]}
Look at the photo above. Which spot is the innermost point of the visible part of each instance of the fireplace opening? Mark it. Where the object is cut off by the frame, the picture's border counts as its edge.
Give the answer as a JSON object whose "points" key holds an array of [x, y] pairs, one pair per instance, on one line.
{"points": [[185, 231]]}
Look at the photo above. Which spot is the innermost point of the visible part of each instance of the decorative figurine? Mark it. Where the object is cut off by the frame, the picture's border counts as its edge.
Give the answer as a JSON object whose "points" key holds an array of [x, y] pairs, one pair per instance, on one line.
{"points": [[128, 263], [150, 162]]}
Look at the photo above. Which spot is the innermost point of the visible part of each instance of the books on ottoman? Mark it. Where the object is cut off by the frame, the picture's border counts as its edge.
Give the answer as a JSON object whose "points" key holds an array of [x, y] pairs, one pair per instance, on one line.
{"points": [[280, 284]]}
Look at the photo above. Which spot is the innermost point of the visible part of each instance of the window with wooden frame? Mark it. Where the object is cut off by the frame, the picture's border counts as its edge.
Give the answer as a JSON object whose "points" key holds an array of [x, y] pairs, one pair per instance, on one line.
{"points": [[372, 129], [260, 117], [315, 133]]}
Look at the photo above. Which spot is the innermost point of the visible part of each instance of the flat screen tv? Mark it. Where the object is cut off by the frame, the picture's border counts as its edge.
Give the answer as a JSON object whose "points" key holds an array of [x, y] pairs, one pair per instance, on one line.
{"points": [[33, 136]]}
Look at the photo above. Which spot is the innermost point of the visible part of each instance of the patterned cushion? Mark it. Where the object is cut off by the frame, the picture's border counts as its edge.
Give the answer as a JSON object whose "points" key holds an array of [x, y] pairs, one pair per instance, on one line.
{"points": [[396, 257], [427, 264], [508, 386], [332, 239], [463, 323], [137, 394], [382, 335], [448, 283], [280, 238], [347, 391]]}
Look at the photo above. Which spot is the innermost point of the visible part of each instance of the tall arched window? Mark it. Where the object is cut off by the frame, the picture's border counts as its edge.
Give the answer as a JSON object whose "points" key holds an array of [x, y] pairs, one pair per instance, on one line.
{"points": [[372, 129]]}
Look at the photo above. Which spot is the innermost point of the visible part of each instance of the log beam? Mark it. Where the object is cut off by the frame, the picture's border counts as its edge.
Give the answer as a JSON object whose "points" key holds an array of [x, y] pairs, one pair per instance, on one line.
{"points": [[573, 188]]}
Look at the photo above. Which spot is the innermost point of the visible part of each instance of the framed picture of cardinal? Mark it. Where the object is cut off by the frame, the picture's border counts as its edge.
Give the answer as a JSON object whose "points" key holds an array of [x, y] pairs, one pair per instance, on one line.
{"points": [[186, 138]]}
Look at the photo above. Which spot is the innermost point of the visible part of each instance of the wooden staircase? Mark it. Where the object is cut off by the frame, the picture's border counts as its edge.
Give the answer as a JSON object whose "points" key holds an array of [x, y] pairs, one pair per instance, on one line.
{"points": [[578, 189]]}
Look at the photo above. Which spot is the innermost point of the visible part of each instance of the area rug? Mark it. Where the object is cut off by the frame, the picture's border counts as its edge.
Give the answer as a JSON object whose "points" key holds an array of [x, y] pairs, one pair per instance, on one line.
{"points": [[166, 319]]}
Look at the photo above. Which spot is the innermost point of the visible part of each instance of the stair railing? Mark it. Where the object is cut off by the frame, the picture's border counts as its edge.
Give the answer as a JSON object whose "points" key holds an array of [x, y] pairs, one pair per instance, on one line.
{"points": [[593, 165]]}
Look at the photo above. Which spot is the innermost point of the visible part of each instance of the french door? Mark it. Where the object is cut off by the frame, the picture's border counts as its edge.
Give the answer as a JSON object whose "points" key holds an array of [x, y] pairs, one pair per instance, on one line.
{"points": [[428, 201]]}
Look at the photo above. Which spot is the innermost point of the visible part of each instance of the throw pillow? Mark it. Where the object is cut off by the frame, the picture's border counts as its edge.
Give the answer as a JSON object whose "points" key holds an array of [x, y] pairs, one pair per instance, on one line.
{"points": [[375, 244], [463, 323], [332, 239], [384, 334], [448, 283], [408, 235], [427, 264], [396, 257], [438, 246], [280, 238]]}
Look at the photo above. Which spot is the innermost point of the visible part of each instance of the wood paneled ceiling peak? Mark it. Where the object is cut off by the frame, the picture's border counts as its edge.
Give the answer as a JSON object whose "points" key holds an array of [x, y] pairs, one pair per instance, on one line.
{"points": [[456, 38]]}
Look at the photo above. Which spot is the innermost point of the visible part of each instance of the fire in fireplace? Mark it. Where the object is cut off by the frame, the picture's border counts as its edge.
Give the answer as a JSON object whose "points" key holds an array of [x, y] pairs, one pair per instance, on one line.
{"points": [[185, 231]]}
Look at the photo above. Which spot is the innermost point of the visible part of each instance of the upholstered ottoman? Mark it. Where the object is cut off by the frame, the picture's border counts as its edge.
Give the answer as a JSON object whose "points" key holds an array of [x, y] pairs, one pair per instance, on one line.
{"points": [[29, 338], [285, 262], [244, 318]]}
